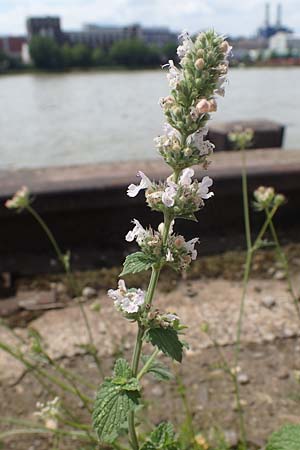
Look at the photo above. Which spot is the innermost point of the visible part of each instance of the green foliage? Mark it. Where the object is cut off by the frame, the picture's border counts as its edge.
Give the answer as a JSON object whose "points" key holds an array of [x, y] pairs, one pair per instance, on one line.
{"points": [[98, 57], [158, 370], [9, 63], [45, 53], [116, 397], [136, 262], [163, 437], [134, 53], [81, 56], [166, 339], [287, 438]]}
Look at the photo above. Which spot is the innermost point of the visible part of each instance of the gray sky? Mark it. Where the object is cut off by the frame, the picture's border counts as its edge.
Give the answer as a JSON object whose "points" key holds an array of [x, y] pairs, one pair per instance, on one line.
{"points": [[241, 17]]}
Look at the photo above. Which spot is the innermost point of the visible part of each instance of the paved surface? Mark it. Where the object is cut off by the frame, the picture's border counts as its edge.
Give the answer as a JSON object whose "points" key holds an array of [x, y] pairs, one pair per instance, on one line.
{"points": [[214, 301]]}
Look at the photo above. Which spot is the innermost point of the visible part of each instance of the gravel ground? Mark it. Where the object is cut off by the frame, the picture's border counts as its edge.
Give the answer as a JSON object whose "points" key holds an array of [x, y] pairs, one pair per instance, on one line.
{"points": [[270, 359]]}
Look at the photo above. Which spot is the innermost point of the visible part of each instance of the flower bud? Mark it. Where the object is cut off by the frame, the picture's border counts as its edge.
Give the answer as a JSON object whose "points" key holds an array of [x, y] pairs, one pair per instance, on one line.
{"points": [[176, 148], [224, 47], [203, 106], [199, 64], [279, 199], [200, 53], [177, 112], [187, 151], [179, 242], [212, 105]]}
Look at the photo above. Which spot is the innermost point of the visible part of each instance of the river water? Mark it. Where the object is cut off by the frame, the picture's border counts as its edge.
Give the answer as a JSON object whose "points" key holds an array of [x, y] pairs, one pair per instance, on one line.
{"points": [[86, 117]]}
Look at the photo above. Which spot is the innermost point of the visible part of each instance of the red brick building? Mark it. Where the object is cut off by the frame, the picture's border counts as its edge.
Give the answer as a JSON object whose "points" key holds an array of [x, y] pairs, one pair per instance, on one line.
{"points": [[12, 45]]}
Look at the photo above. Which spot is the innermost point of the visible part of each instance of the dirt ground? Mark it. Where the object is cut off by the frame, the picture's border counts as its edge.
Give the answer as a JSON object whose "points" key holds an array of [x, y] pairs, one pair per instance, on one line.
{"points": [[269, 362]]}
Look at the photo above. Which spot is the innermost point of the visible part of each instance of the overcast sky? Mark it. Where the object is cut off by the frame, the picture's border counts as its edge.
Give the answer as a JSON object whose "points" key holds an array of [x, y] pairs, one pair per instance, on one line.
{"points": [[239, 17]]}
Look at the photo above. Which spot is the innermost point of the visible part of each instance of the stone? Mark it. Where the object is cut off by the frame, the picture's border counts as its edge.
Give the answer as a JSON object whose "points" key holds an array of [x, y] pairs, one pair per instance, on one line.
{"points": [[268, 301], [89, 292], [231, 438], [283, 374], [289, 333], [243, 378], [279, 275]]}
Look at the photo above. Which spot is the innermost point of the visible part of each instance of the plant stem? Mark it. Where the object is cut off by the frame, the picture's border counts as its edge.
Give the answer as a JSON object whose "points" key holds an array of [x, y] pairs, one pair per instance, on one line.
{"points": [[134, 367], [284, 261], [246, 201], [147, 364], [71, 279]]}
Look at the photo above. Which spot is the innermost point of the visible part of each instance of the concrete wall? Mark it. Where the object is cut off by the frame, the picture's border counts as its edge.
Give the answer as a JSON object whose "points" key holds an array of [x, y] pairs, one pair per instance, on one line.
{"points": [[88, 210]]}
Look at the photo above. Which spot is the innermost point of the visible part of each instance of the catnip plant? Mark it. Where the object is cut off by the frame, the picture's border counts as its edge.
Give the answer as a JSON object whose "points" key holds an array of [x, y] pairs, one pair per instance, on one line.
{"points": [[194, 86]]}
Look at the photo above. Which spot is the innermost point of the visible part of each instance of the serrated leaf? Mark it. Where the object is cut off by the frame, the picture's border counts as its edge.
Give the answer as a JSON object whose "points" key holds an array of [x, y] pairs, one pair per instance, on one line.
{"points": [[112, 405], [166, 339], [162, 437], [158, 370], [287, 438], [122, 369], [136, 262]]}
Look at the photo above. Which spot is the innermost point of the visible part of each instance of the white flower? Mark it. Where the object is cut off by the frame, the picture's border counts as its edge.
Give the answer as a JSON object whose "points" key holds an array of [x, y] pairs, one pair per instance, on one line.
{"points": [[190, 247], [186, 44], [170, 317], [204, 186], [170, 131], [168, 197], [138, 232], [128, 301], [174, 76], [169, 256], [205, 147], [134, 189], [161, 228], [19, 200], [49, 413], [186, 177]]}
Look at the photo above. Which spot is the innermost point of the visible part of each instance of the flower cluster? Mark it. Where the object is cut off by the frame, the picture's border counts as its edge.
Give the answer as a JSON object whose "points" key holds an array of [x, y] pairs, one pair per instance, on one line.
{"points": [[184, 197], [194, 88], [49, 413], [266, 198], [176, 251], [194, 152], [128, 301], [20, 200], [156, 319], [241, 138]]}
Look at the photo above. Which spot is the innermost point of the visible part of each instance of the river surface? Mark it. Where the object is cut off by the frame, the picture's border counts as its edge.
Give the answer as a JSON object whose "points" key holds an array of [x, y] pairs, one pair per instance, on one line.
{"points": [[86, 117]]}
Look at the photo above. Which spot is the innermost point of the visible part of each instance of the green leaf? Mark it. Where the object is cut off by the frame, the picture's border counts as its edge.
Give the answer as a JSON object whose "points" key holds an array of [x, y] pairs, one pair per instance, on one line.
{"points": [[166, 339], [123, 376], [287, 438], [162, 437], [158, 370], [122, 369], [189, 216], [112, 405], [136, 262]]}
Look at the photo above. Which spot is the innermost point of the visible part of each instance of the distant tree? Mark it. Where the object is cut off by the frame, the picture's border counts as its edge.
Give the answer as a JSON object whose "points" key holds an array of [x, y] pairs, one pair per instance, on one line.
{"points": [[169, 51], [81, 56], [99, 57], [45, 53], [67, 56], [9, 63], [133, 53]]}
